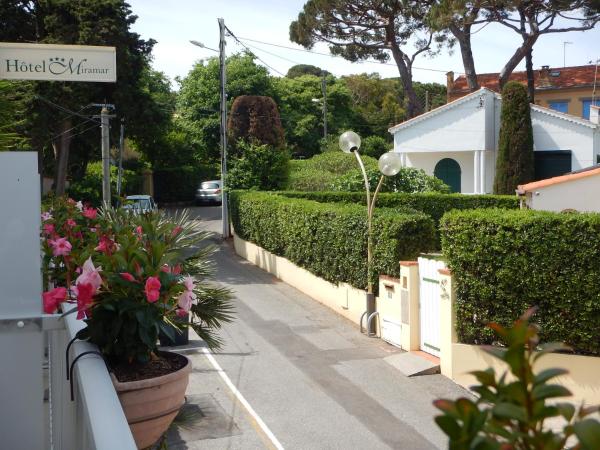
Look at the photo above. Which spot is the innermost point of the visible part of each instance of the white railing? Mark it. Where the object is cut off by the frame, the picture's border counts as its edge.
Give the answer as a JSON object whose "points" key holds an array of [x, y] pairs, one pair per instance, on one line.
{"points": [[94, 419]]}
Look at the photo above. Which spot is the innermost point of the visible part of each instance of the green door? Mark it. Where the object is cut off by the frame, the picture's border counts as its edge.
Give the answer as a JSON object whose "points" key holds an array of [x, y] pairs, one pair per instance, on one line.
{"points": [[448, 171]]}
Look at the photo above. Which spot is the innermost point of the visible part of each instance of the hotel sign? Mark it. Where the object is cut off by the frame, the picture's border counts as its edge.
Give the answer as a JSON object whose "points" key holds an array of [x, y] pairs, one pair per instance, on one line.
{"points": [[57, 62]]}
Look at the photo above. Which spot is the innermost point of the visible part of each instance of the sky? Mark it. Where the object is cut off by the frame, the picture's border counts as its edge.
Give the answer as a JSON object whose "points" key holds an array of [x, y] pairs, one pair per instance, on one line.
{"points": [[174, 23]]}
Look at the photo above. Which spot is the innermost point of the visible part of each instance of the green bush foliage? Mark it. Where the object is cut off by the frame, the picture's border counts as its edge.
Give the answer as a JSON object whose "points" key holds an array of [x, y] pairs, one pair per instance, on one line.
{"points": [[507, 261], [330, 240], [407, 180], [319, 172], [515, 162], [375, 146], [258, 167], [180, 183], [89, 188]]}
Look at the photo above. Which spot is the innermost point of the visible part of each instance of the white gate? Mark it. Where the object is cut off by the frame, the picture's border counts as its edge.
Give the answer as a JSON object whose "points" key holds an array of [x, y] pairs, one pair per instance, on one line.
{"points": [[429, 304]]}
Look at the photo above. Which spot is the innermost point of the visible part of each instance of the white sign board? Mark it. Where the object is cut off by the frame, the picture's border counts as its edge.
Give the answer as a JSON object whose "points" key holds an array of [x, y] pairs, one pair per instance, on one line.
{"points": [[57, 62]]}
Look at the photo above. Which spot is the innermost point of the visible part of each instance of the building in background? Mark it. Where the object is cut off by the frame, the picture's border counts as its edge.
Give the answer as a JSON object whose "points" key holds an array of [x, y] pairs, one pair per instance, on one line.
{"points": [[568, 90]]}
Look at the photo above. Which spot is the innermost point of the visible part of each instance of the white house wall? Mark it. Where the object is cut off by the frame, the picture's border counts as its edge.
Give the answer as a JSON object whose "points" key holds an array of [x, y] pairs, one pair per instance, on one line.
{"points": [[427, 162], [553, 133], [580, 194], [459, 128]]}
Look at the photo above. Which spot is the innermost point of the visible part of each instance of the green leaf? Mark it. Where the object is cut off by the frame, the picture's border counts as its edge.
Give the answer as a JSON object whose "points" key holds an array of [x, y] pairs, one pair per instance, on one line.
{"points": [[498, 352], [567, 410], [588, 432], [548, 374], [509, 411], [449, 426], [485, 377], [545, 391]]}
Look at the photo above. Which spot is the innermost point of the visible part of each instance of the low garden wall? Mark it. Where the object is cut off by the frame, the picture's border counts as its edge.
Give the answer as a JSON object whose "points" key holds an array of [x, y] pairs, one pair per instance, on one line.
{"points": [[330, 240]]}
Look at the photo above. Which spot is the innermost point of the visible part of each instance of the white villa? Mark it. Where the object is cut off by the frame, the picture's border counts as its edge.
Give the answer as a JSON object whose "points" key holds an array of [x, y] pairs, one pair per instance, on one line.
{"points": [[458, 142]]}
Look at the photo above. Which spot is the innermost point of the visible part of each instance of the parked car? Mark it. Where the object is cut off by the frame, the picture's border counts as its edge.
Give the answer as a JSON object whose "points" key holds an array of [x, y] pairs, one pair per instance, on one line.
{"points": [[140, 203], [209, 192]]}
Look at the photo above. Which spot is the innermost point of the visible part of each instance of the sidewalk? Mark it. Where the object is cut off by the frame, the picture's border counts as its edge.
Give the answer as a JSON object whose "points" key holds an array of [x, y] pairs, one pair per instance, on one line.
{"points": [[307, 374]]}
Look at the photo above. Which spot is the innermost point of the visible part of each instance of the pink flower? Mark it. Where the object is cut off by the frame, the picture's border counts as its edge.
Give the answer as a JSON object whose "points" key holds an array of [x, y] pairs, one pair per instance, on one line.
{"points": [[85, 292], [186, 300], [176, 231], [90, 213], [93, 229], [71, 223], [177, 269], [139, 231], [106, 245], [165, 268], [53, 298], [181, 312], [48, 228], [46, 216], [90, 275], [188, 282], [127, 276], [60, 246], [152, 289]]}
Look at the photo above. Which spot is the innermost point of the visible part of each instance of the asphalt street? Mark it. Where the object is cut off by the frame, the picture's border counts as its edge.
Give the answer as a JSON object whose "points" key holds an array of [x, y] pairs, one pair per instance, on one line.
{"points": [[300, 376]]}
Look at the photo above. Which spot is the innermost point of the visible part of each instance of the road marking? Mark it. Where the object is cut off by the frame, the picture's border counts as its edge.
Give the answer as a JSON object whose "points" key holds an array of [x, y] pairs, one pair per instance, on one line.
{"points": [[242, 400]]}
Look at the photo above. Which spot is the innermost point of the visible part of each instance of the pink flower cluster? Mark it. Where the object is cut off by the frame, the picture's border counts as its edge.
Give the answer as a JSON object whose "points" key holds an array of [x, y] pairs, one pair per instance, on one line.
{"points": [[187, 298]]}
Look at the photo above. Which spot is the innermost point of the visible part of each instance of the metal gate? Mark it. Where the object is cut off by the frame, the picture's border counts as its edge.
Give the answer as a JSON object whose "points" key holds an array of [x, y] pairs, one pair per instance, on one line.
{"points": [[429, 304]]}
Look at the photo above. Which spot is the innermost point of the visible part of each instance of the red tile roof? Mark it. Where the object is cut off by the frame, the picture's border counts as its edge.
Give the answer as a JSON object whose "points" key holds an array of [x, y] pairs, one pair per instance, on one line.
{"points": [[588, 172], [558, 78]]}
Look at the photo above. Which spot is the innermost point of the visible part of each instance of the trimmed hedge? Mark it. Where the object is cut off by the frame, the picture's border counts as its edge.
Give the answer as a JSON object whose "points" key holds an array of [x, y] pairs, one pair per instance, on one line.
{"points": [[432, 204], [330, 240], [507, 261], [180, 183]]}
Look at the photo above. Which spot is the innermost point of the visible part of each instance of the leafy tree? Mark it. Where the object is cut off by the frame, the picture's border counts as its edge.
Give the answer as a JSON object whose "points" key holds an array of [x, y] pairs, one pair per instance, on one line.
{"points": [[302, 118], [375, 146], [362, 29], [258, 167], [305, 69], [254, 118], [10, 104], [198, 98], [515, 163], [85, 22]]}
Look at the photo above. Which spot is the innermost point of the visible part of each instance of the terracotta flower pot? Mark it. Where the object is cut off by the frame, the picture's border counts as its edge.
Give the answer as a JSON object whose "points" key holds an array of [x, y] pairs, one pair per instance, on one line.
{"points": [[150, 405]]}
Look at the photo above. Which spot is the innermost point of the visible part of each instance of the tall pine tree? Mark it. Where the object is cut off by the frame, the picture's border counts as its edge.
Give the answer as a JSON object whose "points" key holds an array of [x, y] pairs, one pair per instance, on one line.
{"points": [[515, 163]]}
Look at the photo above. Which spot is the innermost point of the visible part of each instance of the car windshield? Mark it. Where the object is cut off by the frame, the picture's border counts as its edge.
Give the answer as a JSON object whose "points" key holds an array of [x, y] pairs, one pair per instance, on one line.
{"points": [[140, 204], [210, 186]]}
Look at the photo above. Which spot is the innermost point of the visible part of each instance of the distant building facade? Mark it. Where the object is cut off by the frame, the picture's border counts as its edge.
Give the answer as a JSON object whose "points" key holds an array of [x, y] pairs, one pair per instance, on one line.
{"points": [[568, 90]]}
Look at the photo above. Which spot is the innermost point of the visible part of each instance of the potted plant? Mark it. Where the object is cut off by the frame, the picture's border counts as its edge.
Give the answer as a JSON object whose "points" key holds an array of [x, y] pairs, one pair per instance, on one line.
{"points": [[130, 277]]}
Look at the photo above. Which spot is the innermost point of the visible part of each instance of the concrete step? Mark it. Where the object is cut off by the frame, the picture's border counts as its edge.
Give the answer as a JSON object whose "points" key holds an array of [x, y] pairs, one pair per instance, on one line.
{"points": [[414, 363]]}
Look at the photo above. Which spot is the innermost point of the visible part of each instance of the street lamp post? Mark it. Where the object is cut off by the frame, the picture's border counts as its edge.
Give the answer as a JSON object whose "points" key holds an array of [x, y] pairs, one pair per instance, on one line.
{"points": [[223, 126], [389, 164]]}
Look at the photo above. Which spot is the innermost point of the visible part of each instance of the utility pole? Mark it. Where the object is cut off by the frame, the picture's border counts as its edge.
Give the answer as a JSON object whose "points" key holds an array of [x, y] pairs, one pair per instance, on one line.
{"points": [[324, 90], [121, 144], [105, 127], [223, 79]]}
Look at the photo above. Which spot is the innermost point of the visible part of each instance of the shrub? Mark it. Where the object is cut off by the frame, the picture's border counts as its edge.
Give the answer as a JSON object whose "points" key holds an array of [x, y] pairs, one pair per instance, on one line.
{"points": [[89, 188], [375, 146], [318, 172], [515, 163], [507, 261], [254, 118], [180, 183], [330, 240], [407, 180], [258, 167], [432, 204], [511, 411]]}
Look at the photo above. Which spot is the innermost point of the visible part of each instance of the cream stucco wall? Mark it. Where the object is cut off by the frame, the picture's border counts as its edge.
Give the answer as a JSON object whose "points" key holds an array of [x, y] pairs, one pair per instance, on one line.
{"points": [[581, 194]]}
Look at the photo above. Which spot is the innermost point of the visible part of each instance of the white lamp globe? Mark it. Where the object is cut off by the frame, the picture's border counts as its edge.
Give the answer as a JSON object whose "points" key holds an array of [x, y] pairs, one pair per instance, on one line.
{"points": [[349, 141], [390, 163]]}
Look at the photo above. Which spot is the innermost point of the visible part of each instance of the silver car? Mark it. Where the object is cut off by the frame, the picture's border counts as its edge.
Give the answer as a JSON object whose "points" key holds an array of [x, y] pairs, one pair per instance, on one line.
{"points": [[209, 192]]}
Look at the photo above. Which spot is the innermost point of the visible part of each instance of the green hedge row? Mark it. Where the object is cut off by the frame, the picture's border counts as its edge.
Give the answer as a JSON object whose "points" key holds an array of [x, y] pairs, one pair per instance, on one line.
{"points": [[330, 240], [180, 183], [507, 261], [432, 204]]}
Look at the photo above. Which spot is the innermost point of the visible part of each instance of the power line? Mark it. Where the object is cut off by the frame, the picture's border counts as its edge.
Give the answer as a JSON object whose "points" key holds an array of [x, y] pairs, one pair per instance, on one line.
{"points": [[252, 53], [66, 110], [338, 56]]}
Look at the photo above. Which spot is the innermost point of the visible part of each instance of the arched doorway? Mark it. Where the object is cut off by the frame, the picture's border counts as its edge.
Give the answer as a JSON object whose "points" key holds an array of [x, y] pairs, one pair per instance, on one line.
{"points": [[448, 170]]}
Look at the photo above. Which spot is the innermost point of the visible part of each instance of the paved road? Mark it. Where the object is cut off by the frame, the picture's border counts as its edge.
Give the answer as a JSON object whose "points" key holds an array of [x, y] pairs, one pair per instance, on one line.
{"points": [[307, 374]]}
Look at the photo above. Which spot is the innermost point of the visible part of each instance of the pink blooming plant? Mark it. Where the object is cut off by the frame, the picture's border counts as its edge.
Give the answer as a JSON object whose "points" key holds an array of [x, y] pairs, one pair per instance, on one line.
{"points": [[152, 289], [60, 246], [52, 299], [89, 213]]}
